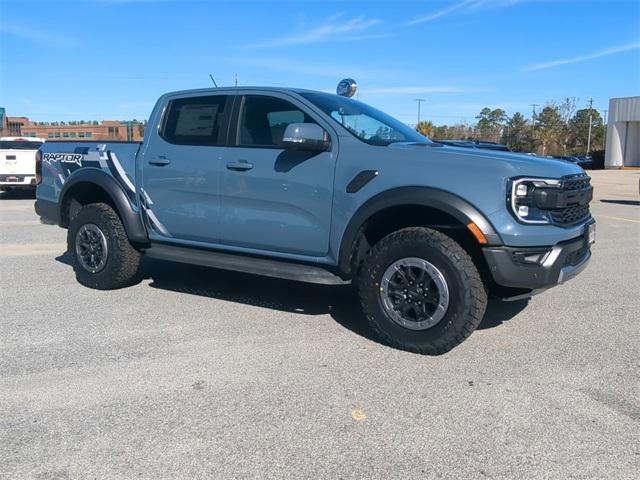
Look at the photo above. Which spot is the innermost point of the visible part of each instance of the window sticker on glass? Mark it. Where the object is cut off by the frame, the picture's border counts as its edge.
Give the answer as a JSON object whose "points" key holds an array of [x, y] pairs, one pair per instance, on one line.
{"points": [[196, 120]]}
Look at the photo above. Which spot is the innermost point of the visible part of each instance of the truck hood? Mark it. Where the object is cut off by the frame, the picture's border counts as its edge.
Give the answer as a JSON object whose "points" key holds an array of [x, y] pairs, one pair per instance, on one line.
{"points": [[516, 163]]}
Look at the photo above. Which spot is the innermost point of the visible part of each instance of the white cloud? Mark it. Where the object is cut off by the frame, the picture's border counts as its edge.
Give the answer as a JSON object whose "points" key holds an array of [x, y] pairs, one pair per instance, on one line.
{"points": [[583, 58], [465, 5], [315, 69], [335, 29], [36, 35]]}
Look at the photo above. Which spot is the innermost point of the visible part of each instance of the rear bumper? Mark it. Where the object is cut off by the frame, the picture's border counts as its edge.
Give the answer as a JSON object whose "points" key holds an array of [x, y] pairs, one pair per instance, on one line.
{"points": [[538, 268], [18, 181], [47, 211]]}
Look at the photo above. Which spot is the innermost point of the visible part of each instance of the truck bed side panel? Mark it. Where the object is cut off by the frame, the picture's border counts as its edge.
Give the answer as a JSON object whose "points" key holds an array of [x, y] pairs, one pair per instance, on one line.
{"points": [[61, 159]]}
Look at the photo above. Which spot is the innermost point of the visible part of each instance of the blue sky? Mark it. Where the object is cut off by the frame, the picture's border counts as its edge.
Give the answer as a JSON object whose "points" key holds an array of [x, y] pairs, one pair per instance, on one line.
{"points": [[111, 59]]}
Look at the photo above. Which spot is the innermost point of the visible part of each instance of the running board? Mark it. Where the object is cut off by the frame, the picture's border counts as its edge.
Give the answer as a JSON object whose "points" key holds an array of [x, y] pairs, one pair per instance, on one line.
{"points": [[243, 263]]}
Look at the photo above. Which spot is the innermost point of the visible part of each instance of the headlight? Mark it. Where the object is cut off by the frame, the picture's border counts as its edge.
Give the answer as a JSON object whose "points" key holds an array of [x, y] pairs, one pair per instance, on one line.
{"points": [[521, 199]]}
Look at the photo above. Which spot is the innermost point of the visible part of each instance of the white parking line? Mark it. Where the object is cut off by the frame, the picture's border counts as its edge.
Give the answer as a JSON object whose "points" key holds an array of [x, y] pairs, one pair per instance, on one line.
{"points": [[16, 208], [622, 219], [15, 223], [21, 250]]}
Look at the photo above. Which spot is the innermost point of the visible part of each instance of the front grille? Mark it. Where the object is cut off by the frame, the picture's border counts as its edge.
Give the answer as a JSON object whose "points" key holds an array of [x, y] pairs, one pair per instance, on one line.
{"points": [[572, 213]]}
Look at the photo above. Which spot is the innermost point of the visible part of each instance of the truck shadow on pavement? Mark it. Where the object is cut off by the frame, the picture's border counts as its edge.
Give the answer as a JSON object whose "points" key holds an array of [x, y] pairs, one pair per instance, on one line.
{"points": [[340, 302], [18, 194]]}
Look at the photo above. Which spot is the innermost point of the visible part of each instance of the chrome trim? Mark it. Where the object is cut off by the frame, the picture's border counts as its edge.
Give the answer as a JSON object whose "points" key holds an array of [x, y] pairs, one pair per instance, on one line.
{"points": [[552, 257]]}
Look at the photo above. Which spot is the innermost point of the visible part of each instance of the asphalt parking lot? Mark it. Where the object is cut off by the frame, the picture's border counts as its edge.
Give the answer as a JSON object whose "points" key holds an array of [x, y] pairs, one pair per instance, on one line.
{"points": [[197, 373]]}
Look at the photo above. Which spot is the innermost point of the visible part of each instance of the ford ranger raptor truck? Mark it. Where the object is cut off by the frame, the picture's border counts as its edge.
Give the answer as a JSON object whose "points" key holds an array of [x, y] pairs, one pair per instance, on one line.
{"points": [[321, 188]]}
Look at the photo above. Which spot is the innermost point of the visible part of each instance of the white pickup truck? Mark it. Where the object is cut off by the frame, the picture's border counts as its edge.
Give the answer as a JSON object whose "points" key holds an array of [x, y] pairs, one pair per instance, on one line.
{"points": [[18, 162]]}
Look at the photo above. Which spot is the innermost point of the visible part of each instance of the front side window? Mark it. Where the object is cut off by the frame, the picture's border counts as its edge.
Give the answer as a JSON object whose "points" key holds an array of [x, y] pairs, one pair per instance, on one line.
{"points": [[195, 120], [264, 119], [366, 123]]}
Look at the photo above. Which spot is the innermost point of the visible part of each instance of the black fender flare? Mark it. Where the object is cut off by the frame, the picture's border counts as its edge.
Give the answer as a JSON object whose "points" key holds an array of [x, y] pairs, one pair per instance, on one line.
{"points": [[447, 202], [131, 219]]}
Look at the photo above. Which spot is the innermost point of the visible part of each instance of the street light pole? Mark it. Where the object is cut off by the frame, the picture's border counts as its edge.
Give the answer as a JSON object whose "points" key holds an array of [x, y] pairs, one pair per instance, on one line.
{"points": [[419, 100]]}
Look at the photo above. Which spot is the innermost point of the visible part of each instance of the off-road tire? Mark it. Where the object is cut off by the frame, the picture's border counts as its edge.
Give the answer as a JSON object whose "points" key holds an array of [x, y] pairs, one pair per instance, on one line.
{"points": [[123, 261], [467, 295]]}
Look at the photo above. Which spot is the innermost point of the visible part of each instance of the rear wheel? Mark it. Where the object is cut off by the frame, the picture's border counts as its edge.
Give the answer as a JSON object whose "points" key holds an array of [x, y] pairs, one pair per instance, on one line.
{"points": [[102, 256], [421, 292]]}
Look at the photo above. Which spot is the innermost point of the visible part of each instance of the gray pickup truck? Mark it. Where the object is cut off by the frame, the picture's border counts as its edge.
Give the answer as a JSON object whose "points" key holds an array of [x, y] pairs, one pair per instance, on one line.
{"points": [[321, 188]]}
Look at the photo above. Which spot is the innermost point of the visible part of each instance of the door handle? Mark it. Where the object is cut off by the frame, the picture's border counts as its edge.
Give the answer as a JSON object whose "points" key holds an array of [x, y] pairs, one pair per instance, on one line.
{"points": [[160, 161], [240, 165]]}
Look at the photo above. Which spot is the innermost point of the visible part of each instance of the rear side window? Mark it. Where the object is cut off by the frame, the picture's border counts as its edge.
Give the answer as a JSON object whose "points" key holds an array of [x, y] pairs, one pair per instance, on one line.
{"points": [[264, 119], [17, 145], [195, 120]]}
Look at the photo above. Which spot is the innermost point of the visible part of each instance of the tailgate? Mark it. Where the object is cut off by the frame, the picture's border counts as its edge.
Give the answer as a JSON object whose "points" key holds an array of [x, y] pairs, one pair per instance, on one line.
{"points": [[17, 162]]}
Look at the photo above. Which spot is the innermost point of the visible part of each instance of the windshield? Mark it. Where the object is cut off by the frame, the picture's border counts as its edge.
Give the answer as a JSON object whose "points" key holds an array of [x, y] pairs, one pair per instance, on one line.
{"points": [[18, 145], [364, 122]]}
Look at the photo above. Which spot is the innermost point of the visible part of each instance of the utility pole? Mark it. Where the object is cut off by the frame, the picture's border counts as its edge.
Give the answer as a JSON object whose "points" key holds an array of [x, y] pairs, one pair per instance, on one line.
{"points": [[533, 106], [419, 100], [590, 122]]}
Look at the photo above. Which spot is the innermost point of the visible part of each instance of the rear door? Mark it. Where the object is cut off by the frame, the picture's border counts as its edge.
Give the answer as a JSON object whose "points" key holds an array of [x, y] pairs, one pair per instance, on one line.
{"points": [[274, 199], [181, 169]]}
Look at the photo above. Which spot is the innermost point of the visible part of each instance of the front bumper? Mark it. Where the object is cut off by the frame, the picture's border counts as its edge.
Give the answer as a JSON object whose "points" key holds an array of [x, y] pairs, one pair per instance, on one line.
{"points": [[515, 268]]}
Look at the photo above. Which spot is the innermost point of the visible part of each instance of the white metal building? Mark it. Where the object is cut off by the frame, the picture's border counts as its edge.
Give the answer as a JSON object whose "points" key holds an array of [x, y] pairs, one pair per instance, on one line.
{"points": [[623, 133]]}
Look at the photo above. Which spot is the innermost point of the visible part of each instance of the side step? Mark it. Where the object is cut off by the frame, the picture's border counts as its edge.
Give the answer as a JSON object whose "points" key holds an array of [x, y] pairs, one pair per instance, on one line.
{"points": [[244, 263]]}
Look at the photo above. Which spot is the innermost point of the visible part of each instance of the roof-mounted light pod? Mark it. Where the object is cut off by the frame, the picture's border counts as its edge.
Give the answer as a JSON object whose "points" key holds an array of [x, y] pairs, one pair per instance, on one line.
{"points": [[347, 87]]}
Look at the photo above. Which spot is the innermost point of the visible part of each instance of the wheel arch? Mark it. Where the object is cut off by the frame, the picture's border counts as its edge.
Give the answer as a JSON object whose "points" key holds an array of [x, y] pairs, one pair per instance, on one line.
{"points": [[439, 205], [92, 185]]}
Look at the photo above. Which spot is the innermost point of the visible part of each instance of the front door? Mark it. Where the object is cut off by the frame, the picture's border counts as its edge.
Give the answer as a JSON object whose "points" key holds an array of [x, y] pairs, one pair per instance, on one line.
{"points": [[181, 169], [274, 199]]}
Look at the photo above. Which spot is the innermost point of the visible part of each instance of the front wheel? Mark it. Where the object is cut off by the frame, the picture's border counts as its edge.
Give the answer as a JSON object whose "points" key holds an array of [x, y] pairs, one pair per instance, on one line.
{"points": [[102, 256], [421, 292]]}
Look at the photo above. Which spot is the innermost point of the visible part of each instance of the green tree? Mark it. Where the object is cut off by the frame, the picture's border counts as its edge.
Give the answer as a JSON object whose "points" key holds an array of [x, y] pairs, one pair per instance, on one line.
{"points": [[579, 130], [548, 128], [490, 123], [517, 134]]}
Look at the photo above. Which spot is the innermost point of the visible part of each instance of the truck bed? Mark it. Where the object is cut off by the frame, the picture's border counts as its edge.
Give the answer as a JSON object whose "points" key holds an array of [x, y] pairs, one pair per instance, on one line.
{"points": [[61, 159]]}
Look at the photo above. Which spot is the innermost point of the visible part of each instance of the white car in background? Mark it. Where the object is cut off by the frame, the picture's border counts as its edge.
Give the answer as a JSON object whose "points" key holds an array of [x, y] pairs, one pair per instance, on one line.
{"points": [[18, 162]]}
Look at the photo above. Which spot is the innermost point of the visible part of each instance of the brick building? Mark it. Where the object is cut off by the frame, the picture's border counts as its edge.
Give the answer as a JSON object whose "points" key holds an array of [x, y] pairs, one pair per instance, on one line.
{"points": [[56, 131]]}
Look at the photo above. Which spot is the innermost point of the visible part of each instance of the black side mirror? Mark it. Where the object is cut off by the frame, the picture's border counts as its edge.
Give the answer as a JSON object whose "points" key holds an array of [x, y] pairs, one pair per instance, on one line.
{"points": [[306, 136]]}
